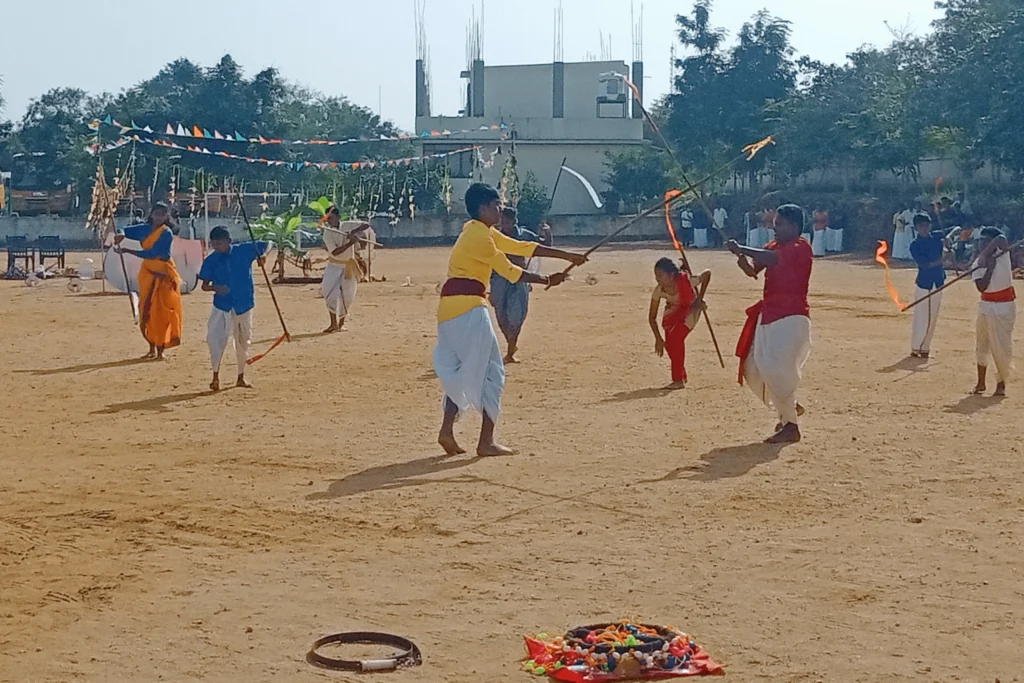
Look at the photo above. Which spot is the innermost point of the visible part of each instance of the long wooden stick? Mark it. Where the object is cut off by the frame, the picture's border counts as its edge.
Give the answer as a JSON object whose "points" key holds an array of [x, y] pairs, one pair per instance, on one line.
{"points": [[959, 278], [703, 204], [263, 267], [558, 178]]}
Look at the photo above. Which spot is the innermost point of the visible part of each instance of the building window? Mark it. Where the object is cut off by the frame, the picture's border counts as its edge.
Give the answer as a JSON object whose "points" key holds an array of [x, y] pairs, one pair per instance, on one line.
{"points": [[461, 164]]}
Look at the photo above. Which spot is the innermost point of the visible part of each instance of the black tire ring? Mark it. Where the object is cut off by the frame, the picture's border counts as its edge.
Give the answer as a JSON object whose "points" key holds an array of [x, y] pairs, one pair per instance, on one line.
{"points": [[409, 654]]}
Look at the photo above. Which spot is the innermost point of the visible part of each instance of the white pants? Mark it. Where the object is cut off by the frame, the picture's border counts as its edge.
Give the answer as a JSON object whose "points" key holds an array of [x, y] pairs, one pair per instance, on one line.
{"points": [[926, 319], [818, 243], [775, 365], [995, 336], [700, 238], [467, 360], [223, 327], [833, 240], [338, 291]]}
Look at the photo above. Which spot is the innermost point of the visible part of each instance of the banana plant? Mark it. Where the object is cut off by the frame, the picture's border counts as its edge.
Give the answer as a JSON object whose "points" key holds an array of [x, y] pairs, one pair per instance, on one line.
{"points": [[283, 233]]}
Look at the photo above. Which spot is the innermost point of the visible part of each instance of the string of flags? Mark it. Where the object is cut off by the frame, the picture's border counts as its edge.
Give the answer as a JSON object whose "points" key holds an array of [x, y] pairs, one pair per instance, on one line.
{"points": [[180, 131], [95, 148]]}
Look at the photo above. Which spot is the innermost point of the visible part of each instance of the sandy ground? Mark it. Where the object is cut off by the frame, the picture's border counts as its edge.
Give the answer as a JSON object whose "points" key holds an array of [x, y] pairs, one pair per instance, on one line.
{"points": [[150, 531]]}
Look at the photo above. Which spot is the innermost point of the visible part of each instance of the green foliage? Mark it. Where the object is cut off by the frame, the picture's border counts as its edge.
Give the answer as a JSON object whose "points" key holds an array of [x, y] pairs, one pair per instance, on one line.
{"points": [[636, 177], [533, 201], [283, 232]]}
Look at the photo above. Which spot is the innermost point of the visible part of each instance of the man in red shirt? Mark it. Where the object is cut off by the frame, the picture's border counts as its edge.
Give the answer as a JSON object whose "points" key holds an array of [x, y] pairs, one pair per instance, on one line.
{"points": [[776, 340]]}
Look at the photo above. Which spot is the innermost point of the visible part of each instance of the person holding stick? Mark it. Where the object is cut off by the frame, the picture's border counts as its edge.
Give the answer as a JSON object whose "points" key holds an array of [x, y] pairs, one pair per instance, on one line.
{"points": [[997, 310], [511, 300], [341, 278], [683, 307], [467, 358], [776, 340], [160, 307], [227, 272], [928, 250]]}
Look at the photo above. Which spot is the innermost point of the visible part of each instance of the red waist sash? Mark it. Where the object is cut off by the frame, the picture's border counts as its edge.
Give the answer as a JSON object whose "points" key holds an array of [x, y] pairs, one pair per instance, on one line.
{"points": [[1001, 297], [463, 286]]}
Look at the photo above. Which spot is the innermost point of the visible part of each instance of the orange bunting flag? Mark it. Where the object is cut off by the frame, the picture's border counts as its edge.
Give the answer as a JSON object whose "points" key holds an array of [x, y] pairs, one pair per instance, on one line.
{"points": [[752, 150], [883, 249], [669, 196]]}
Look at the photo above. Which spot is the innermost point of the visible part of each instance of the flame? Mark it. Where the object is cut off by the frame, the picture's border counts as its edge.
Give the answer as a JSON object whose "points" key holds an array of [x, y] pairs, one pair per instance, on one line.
{"points": [[883, 249], [938, 186], [756, 147], [669, 196]]}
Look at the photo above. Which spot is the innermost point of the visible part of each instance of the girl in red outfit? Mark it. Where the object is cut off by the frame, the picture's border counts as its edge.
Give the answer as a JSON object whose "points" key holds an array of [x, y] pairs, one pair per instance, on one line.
{"points": [[683, 307]]}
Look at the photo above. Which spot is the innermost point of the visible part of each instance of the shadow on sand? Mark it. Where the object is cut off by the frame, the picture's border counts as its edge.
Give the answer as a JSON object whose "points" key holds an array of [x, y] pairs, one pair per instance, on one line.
{"points": [[725, 463], [396, 476]]}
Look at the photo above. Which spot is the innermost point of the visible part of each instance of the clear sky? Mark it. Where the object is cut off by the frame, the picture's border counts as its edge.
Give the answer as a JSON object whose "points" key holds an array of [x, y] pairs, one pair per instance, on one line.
{"points": [[365, 49]]}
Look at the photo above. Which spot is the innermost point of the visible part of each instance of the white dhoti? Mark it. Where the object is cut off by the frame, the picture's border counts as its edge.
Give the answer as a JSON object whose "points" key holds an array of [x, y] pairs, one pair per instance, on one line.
{"points": [[225, 326], [818, 243], [926, 319], [467, 360], [995, 336], [339, 292], [775, 365], [833, 240], [700, 238]]}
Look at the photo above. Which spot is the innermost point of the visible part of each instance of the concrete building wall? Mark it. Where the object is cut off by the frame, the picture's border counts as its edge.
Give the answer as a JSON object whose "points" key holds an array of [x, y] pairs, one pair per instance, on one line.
{"points": [[442, 229], [582, 81], [543, 159], [534, 129], [525, 91], [518, 91]]}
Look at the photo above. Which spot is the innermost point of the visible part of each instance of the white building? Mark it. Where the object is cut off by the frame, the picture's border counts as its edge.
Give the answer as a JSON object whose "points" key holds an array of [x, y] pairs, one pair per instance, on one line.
{"points": [[579, 112]]}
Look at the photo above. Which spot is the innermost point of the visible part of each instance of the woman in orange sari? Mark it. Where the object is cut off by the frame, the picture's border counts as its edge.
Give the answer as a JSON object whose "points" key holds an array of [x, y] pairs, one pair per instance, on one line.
{"points": [[160, 308]]}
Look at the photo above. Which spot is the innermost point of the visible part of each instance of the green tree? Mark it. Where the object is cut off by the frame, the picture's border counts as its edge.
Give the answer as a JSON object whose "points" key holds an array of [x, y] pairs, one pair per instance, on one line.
{"points": [[533, 201], [636, 177]]}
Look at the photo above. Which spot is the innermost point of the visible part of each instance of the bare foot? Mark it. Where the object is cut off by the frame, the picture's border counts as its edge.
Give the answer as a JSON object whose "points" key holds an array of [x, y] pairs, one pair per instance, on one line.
{"points": [[331, 329], [675, 386], [242, 383], [149, 356], [789, 433], [978, 390], [493, 450], [215, 384], [799, 411], [510, 359], [1000, 390], [450, 445]]}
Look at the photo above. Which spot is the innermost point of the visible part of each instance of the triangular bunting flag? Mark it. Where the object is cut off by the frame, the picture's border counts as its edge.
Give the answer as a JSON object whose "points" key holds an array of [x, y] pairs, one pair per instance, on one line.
{"points": [[109, 121], [239, 138], [147, 129], [217, 135], [182, 132], [197, 132], [206, 134], [170, 129]]}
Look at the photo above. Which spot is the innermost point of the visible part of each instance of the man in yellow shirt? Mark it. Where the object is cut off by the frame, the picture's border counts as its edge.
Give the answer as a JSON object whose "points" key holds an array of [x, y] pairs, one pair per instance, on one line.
{"points": [[467, 358]]}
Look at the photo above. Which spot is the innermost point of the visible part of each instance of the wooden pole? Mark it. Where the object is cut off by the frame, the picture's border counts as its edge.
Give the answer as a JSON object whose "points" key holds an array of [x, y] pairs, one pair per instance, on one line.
{"points": [[558, 178], [263, 267], [959, 278]]}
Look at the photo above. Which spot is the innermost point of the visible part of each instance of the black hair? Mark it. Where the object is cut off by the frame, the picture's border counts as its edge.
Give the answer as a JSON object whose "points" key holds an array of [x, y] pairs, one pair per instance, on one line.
{"points": [[333, 211], [157, 207], [667, 265], [477, 196], [920, 218], [792, 213], [991, 233], [220, 233], [510, 212]]}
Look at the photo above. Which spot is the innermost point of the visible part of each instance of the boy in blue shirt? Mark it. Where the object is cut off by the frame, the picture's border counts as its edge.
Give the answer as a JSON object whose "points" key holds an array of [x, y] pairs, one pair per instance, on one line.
{"points": [[928, 251], [227, 272]]}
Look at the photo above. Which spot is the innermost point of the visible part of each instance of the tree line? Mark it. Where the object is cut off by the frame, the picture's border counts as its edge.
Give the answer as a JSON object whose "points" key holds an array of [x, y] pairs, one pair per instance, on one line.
{"points": [[955, 93]]}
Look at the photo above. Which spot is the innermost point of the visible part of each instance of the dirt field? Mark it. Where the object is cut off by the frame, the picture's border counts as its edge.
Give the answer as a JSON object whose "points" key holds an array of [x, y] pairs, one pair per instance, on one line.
{"points": [[149, 531]]}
